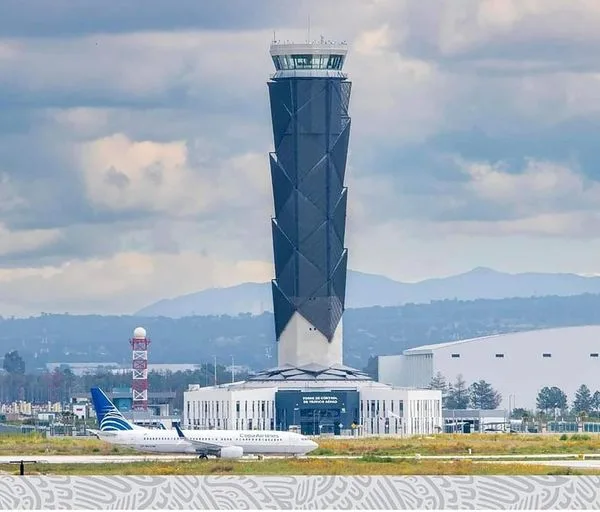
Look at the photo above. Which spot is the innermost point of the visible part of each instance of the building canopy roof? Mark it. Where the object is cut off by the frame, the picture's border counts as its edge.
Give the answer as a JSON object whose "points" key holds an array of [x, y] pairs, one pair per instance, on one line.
{"points": [[310, 372]]}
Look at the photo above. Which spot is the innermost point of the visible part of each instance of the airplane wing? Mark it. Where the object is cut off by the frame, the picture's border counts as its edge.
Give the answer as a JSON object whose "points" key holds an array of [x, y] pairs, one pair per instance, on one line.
{"points": [[201, 446]]}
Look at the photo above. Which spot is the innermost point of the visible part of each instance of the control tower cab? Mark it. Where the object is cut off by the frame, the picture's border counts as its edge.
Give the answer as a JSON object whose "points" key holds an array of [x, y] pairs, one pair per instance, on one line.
{"points": [[318, 59]]}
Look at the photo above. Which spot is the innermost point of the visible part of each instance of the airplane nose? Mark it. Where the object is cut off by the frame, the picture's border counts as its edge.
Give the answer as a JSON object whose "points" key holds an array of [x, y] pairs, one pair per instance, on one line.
{"points": [[313, 445]]}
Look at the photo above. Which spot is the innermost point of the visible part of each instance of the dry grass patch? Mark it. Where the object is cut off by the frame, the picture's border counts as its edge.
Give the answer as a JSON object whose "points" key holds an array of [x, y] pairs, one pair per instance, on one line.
{"points": [[35, 444], [459, 444], [369, 466]]}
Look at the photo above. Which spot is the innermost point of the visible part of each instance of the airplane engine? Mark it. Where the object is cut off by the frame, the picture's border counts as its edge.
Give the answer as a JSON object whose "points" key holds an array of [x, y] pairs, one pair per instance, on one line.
{"points": [[231, 452]]}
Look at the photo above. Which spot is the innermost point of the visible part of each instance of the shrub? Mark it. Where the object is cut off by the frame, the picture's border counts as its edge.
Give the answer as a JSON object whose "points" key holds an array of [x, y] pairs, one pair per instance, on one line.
{"points": [[580, 437], [564, 471], [564, 437], [221, 468], [373, 458]]}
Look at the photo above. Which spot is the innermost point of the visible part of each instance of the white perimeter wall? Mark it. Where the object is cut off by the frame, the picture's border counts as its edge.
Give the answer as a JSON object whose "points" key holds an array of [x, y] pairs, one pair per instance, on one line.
{"points": [[513, 363]]}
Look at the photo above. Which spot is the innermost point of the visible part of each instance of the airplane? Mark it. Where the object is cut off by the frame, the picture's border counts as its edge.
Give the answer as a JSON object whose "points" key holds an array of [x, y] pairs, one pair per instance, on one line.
{"points": [[226, 444]]}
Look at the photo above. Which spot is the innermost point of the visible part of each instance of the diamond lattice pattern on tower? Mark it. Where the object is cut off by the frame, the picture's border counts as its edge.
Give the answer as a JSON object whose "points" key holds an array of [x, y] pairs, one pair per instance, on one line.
{"points": [[311, 129]]}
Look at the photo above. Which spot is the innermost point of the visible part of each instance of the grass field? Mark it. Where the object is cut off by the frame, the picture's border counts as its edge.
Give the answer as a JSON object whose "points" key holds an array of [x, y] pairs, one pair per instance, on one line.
{"points": [[459, 444], [32, 444], [366, 466], [480, 444]]}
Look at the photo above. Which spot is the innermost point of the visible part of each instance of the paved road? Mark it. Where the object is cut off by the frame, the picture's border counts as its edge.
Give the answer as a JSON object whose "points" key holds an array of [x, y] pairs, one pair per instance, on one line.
{"points": [[474, 457], [91, 459]]}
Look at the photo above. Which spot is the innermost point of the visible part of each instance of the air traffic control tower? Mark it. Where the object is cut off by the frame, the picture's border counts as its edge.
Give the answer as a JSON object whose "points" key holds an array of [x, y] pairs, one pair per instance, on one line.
{"points": [[309, 96]]}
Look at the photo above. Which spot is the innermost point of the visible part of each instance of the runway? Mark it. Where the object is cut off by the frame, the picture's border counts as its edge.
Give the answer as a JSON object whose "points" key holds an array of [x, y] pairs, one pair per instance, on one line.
{"points": [[92, 459]]}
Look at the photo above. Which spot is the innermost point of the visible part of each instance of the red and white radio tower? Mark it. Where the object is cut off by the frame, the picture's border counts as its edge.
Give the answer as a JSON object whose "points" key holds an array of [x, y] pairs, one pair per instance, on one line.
{"points": [[139, 346]]}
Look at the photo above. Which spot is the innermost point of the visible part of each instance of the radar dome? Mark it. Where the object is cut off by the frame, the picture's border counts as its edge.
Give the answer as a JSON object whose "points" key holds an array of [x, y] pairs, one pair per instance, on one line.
{"points": [[139, 333]]}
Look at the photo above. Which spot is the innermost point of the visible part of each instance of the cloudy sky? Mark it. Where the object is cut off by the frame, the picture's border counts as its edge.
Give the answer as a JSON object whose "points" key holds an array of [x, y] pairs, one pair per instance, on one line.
{"points": [[134, 139]]}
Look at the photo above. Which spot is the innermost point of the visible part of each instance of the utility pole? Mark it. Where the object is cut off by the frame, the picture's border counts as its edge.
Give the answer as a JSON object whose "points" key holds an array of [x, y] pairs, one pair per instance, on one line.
{"points": [[232, 370], [215, 369]]}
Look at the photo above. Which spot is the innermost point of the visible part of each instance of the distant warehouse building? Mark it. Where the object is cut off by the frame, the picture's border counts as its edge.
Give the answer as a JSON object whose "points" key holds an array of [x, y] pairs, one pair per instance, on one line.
{"points": [[518, 365]]}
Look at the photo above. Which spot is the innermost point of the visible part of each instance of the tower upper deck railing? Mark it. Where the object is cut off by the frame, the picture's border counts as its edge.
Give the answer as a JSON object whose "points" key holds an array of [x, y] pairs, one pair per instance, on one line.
{"points": [[312, 59]]}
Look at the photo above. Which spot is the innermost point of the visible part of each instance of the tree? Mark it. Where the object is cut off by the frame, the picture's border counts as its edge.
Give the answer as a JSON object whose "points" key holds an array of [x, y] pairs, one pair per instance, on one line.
{"points": [[13, 363], [519, 413], [596, 402], [583, 400], [439, 382], [458, 394], [549, 399], [484, 396]]}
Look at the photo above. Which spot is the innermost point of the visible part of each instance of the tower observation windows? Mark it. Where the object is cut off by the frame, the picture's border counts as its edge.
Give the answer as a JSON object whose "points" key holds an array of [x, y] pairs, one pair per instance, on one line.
{"points": [[304, 61]]}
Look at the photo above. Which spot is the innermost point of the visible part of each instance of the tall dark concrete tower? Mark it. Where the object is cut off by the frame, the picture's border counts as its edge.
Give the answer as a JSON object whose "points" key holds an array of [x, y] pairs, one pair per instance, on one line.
{"points": [[309, 97]]}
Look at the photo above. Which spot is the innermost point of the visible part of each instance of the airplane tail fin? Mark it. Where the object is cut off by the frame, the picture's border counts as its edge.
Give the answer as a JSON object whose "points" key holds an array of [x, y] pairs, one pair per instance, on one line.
{"points": [[179, 431], [109, 417]]}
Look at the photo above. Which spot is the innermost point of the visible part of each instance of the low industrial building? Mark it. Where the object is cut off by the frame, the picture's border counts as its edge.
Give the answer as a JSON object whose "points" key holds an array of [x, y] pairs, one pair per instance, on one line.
{"points": [[314, 400], [475, 420], [517, 365]]}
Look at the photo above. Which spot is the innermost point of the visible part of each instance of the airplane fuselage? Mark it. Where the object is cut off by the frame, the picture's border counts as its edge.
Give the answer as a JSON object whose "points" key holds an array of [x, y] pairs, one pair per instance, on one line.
{"points": [[259, 442]]}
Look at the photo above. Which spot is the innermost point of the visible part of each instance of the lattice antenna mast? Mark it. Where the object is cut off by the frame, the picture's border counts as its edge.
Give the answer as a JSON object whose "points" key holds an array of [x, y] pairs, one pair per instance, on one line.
{"points": [[139, 347]]}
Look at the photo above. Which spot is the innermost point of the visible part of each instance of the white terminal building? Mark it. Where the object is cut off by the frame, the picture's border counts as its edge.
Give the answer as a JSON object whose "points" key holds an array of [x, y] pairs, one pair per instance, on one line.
{"points": [[517, 365], [315, 400]]}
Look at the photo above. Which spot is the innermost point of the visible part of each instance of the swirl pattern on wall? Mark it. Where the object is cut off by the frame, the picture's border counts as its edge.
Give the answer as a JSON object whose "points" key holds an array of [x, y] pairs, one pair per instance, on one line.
{"points": [[299, 492]]}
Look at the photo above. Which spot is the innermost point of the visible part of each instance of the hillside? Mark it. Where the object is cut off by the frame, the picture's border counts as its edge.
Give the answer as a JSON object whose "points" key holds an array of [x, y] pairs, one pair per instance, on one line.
{"points": [[366, 290], [250, 339]]}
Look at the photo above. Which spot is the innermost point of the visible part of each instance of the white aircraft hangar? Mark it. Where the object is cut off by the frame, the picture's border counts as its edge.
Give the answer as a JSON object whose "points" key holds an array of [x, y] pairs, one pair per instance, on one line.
{"points": [[518, 365]]}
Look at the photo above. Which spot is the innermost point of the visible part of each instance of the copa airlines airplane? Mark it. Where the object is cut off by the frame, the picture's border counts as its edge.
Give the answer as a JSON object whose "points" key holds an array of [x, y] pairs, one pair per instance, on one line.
{"points": [[227, 444]]}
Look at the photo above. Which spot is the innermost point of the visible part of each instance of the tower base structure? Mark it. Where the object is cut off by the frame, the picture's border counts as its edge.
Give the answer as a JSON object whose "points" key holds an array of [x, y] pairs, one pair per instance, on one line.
{"points": [[301, 343]]}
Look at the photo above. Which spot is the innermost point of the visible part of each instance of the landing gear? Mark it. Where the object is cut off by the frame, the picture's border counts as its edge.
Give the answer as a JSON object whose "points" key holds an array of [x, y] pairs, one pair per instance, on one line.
{"points": [[203, 456]]}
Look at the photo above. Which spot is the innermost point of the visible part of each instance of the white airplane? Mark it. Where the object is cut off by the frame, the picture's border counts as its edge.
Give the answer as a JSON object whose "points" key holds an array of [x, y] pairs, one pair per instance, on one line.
{"points": [[226, 444]]}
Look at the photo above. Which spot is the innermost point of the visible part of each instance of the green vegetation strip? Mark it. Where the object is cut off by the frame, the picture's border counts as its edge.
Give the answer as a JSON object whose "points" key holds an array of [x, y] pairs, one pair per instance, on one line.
{"points": [[365, 466], [444, 444]]}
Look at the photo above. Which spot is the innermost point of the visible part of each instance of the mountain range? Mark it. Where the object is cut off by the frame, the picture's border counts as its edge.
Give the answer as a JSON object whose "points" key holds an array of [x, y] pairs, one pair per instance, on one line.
{"points": [[367, 290]]}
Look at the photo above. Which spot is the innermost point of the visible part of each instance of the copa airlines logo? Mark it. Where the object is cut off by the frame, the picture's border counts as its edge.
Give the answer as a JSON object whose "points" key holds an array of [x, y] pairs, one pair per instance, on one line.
{"points": [[113, 420]]}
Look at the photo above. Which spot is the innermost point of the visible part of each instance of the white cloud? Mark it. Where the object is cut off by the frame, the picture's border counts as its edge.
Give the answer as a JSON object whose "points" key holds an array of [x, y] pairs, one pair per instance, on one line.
{"points": [[561, 225], [538, 188], [122, 175], [15, 242], [123, 283], [141, 65]]}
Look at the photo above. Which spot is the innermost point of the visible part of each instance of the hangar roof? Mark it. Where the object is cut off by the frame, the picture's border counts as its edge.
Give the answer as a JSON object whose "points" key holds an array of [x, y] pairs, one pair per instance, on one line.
{"points": [[566, 331]]}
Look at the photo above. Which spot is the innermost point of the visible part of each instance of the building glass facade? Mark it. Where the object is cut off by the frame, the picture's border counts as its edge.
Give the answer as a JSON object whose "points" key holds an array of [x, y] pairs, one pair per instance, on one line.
{"points": [[317, 412], [311, 129]]}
